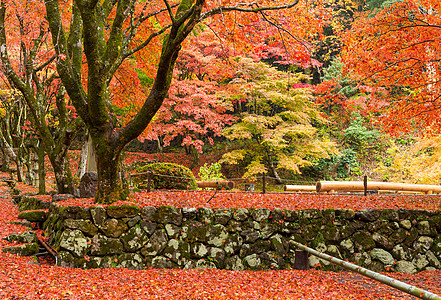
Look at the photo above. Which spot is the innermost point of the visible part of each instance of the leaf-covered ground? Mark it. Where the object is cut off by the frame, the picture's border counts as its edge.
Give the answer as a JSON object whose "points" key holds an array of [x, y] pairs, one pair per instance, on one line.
{"points": [[212, 199], [20, 278]]}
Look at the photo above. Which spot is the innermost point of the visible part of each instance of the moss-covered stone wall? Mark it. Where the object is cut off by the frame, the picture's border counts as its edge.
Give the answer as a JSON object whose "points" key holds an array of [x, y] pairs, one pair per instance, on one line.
{"points": [[242, 239]]}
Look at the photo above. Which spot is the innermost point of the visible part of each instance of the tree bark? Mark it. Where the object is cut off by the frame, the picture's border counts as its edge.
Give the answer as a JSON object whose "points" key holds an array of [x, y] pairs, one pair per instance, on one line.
{"points": [[8, 153], [112, 186], [91, 156], [41, 170], [273, 168], [63, 175], [5, 161]]}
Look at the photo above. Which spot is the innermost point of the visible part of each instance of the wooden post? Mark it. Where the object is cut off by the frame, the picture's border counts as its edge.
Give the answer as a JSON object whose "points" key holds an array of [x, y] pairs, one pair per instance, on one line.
{"points": [[365, 184], [301, 261], [149, 181], [263, 184], [91, 157]]}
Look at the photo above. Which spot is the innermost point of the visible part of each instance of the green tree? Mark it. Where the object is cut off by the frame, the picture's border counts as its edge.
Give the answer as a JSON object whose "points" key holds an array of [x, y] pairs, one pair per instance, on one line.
{"points": [[278, 131]]}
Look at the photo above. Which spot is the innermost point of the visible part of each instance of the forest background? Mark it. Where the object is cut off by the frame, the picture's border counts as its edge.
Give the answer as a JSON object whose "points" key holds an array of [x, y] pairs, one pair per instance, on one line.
{"points": [[352, 89]]}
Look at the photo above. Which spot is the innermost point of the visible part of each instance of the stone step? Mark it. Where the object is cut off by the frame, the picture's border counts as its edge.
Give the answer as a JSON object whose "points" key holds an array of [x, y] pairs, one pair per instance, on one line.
{"points": [[29, 249], [22, 223], [33, 215], [26, 237]]}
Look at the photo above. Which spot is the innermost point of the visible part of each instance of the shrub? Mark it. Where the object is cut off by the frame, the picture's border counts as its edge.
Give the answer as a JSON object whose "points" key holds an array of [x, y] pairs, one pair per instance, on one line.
{"points": [[211, 172], [165, 176], [336, 167], [357, 136]]}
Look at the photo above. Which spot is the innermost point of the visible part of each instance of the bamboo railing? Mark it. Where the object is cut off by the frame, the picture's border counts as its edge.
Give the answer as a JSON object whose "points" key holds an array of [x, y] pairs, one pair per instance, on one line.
{"points": [[216, 184], [299, 188], [358, 186]]}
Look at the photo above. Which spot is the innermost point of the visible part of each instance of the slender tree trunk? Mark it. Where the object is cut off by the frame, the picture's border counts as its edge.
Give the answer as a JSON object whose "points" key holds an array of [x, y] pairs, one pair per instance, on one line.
{"points": [[41, 170], [20, 176], [59, 158], [5, 162], [160, 149], [5, 156], [30, 163], [276, 175], [9, 153], [273, 168]]}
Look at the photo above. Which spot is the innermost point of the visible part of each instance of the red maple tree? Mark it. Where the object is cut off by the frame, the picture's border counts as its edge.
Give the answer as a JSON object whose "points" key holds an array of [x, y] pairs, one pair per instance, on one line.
{"points": [[394, 51]]}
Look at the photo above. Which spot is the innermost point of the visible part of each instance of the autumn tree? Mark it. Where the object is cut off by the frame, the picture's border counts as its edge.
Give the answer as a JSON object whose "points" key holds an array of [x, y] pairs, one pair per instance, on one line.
{"points": [[195, 110], [112, 33], [327, 46], [28, 65], [13, 117], [395, 52], [418, 162], [277, 130], [340, 96]]}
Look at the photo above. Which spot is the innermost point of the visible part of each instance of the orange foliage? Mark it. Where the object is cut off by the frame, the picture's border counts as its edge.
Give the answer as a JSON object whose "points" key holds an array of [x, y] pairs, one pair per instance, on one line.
{"points": [[395, 51]]}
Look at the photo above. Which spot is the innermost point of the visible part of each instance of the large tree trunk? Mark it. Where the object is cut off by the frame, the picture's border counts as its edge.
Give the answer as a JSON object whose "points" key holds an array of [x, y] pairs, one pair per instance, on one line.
{"points": [[103, 59], [112, 186], [63, 174]]}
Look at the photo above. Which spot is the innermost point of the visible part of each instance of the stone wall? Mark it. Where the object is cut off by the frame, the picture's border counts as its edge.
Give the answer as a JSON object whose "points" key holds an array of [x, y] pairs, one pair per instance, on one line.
{"points": [[240, 239]]}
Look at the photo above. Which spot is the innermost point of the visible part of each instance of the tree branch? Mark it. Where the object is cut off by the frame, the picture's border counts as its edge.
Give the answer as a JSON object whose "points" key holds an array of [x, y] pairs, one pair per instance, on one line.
{"points": [[114, 43], [64, 66], [242, 8], [170, 13]]}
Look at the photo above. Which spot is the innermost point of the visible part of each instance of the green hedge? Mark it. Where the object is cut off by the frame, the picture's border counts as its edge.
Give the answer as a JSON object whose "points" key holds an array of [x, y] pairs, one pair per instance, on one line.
{"points": [[165, 176]]}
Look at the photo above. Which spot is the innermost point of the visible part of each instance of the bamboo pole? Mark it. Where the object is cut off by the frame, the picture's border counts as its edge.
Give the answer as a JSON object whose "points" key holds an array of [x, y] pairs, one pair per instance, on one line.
{"points": [[299, 188], [216, 184], [357, 186], [407, 288]]}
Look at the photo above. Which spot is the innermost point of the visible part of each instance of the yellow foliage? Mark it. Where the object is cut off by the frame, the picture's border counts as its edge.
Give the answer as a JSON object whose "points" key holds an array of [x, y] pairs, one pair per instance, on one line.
{"points": [[276, 131], [7, 97], [233, 157], [419, 163], [256, 167]]}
